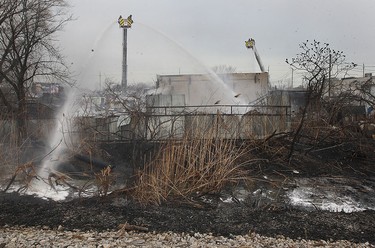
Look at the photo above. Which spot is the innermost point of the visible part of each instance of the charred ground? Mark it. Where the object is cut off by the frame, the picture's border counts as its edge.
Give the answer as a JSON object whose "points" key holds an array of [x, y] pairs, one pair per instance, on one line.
{"points": [[107, 214], [347, 159]]}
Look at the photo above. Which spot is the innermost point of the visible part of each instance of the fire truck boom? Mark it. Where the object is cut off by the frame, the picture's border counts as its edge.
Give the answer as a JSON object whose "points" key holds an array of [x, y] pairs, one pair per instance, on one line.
{"points": [[251, 44]]}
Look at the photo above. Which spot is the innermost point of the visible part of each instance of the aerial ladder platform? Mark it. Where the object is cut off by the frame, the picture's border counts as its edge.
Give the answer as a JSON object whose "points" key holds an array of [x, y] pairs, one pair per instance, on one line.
{"points": [[250, 44]]}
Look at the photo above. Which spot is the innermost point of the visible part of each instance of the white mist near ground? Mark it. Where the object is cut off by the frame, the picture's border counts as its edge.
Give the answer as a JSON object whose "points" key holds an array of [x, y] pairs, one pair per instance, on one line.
{"points": [[58, 143], [60, 139]]}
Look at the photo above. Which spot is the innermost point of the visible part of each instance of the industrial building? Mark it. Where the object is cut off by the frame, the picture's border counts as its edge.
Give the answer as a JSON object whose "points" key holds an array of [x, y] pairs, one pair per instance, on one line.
{"points": [[210, 89]]}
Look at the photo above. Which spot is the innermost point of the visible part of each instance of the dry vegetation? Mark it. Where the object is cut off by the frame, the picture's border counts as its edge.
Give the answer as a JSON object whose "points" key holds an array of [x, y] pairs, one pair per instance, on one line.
{"points": [[103, 180], [190, 167], [9, 148]]}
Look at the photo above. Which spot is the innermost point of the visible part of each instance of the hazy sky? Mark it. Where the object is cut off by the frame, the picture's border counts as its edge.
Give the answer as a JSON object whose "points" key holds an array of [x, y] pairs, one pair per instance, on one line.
{"points": [[172, 37]]}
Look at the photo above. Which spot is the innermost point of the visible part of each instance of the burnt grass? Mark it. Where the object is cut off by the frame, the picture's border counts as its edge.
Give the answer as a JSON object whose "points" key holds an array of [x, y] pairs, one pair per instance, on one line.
{"points": [[349, 159]]}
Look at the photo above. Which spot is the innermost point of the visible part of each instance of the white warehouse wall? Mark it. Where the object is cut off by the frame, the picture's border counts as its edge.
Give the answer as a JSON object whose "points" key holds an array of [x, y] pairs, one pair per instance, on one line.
{"points": [[207, 89]]}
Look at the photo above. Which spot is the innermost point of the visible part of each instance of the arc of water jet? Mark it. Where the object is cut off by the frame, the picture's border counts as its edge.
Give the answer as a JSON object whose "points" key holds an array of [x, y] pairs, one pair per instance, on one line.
{"points": [[211, 73], [92, 52]]}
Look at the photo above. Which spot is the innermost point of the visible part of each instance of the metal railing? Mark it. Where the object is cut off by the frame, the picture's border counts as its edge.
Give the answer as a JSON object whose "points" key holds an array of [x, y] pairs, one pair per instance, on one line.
{"points": [[165, 122]]}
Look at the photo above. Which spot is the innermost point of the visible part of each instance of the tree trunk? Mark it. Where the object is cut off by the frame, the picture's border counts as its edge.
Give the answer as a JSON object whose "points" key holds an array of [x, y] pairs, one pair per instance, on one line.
{"points": [[21, 115]]}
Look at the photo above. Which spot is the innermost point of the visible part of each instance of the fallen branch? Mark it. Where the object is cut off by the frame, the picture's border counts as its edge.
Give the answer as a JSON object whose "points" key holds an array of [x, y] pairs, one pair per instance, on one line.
{"points": [[29, 171], [60, 179], [10, 182], [326, 148]]}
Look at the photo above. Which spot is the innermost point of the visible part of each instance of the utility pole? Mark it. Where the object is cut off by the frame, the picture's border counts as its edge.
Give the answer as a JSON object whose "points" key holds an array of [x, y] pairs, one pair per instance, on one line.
{"points": [[363, 69], [125, 24], [100, 81], [329, 76], [292, 77]]}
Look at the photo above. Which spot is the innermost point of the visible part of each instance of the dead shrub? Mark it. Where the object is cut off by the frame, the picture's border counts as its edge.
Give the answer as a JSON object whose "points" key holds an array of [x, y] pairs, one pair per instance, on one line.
{"points": [[103, 180], [25, 173], [189, 166]]}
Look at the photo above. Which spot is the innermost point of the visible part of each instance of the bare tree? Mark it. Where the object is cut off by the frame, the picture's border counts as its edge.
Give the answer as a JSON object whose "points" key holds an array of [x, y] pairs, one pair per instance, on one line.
{"points": [[8, 9], [320, 64], [28, 51]]}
